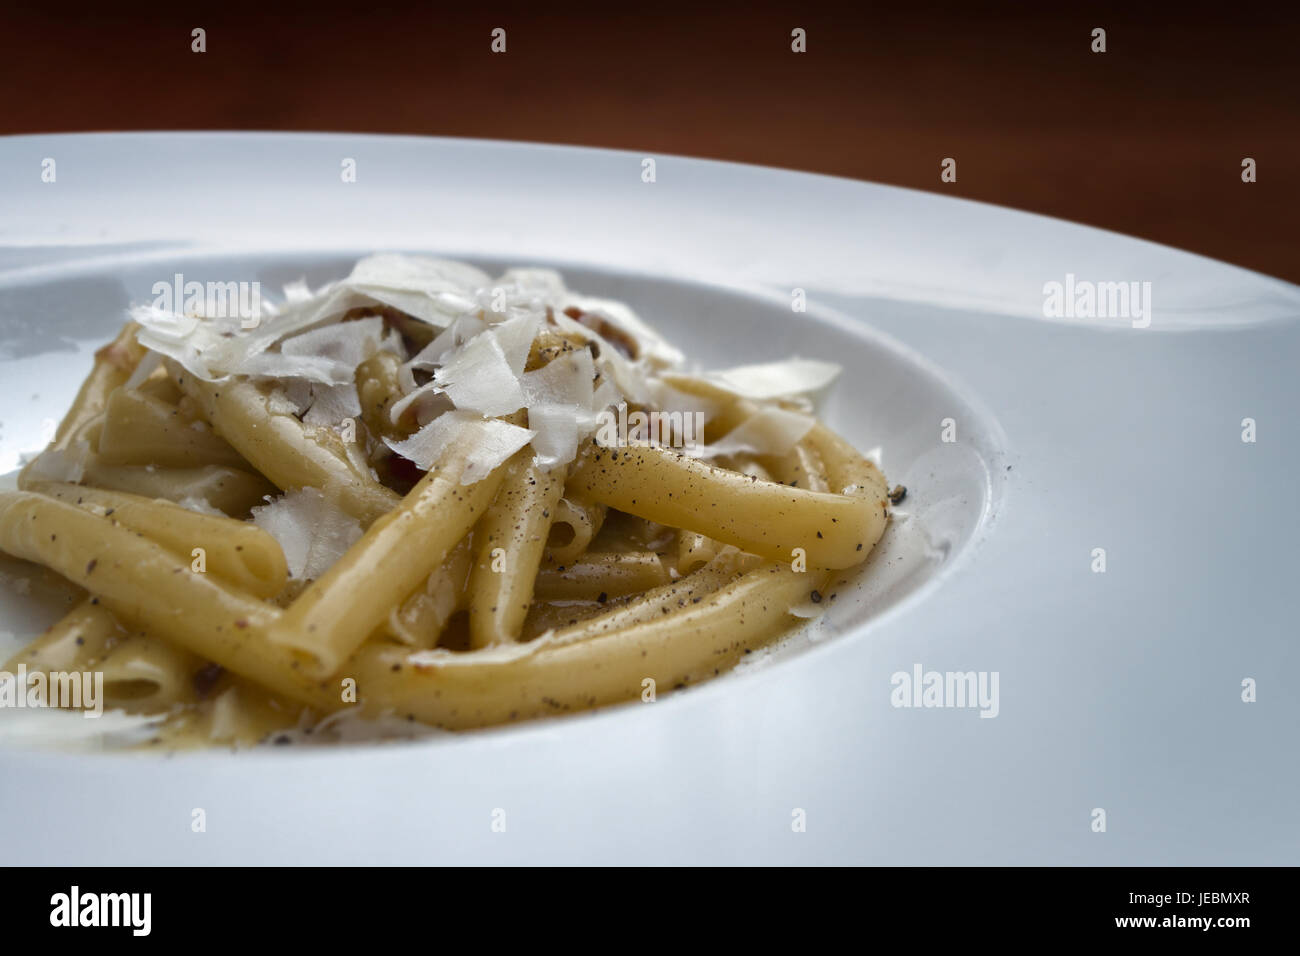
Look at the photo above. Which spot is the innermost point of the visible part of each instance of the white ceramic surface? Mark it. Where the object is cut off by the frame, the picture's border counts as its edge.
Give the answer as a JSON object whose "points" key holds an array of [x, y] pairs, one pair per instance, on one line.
{"points": [[1119, 690]]}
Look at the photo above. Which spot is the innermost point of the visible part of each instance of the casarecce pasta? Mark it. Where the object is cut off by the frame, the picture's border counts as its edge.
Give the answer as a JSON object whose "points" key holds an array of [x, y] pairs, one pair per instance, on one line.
{"points": [[422, 493]]}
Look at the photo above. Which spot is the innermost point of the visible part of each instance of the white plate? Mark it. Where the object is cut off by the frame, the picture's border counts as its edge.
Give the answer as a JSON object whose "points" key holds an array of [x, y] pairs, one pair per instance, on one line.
{"points": [[1119, 691]]}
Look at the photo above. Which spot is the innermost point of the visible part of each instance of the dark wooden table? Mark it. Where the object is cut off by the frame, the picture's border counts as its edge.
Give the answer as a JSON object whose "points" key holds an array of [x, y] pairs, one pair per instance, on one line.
{"points": [[1147, 138]]}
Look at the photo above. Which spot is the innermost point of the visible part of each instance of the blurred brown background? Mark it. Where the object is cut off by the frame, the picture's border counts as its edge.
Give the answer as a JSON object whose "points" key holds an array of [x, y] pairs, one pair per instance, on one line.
{"points": [[1145, 139]]}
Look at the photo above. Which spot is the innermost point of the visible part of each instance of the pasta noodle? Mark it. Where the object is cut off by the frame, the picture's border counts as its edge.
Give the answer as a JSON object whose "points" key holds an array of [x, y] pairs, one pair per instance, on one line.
{"points": [[454, 507], [575, 524], [600, 576], [279, 447], [327, 622], [765, 518], [139, 429], [237, 552], [511, 537], [423, 616]]}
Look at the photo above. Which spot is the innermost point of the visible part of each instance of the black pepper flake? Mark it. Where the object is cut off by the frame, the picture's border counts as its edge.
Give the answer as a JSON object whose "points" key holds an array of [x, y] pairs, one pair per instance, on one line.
{"points": [[897, 495], [205, 678], [816, 597], [91, 566], [602, 597]]}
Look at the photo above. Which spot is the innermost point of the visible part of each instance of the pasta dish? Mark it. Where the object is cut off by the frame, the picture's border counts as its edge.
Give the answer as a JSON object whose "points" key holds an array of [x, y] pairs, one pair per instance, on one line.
{"points": [[421, 494]]}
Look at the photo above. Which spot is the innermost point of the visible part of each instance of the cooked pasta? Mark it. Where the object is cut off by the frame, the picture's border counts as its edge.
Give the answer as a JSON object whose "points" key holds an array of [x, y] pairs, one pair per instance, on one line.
{"points": [[422, 493]]}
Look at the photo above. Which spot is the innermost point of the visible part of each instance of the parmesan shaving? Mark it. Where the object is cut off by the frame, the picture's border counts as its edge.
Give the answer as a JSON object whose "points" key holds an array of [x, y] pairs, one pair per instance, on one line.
{"points": [[769, 431], [312, 531], [789, 378], [492, 443], [478, 378]]}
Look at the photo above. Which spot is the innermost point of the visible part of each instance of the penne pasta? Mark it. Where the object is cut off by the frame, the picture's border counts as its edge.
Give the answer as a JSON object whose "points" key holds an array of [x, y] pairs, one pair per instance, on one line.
{"points": [[585, 666], [76, 642], [327, 622], [148, 586], [114, 364], [600, 576], [229, 490], [575, 525], [694, 551], [801, 467], [139, 429], [762, 517], [510, 539], [421, 619], [239, 553], [278, 446], [143, 675], [378, 389]]}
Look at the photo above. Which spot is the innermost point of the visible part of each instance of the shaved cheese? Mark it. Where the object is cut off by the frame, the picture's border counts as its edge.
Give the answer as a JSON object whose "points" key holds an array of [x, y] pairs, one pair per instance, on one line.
{"points": [[521, 292], [629, 377], [292, 398], [565, 380], [669, 399], [769, 431], [557, 429], [475, 366], [651, 346], [328, 355], [332, 404], [516, 338], [349, 343], [429, 401], [490, 443], [311, 368], [312, 531], [605, 396], [190, 341], [545, 286], [435, 291], [478, 378], [447, 341], [296, 291], [791, 377]]}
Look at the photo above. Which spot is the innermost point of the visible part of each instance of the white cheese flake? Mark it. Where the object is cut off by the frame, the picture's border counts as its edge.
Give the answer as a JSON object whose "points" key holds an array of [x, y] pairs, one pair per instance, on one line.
{"points": [[489, 443], [785, 379], [769, 431], [312, 531], [478, 378]]}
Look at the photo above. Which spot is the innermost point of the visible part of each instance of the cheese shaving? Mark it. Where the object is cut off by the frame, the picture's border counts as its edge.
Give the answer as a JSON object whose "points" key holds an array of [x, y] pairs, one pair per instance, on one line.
{"points": [[311, 530]]}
